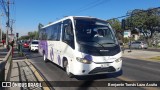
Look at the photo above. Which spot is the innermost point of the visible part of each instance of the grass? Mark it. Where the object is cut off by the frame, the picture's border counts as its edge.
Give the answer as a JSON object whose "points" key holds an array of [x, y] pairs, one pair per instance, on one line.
{"points": [[155, 58]]}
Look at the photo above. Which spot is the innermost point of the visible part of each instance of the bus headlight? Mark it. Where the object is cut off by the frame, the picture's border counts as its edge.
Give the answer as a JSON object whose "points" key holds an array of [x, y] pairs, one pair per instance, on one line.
{"points": [[83, 60], [118, 60]]}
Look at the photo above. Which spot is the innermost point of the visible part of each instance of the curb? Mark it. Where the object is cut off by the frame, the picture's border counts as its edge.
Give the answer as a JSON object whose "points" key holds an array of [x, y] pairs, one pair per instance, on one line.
{"points": [[38, 74], [143, 59]]}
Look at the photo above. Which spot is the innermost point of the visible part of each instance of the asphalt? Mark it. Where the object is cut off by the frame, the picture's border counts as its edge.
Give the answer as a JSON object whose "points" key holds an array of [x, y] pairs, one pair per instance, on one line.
{"points": [[133, 70], [23, 72]]}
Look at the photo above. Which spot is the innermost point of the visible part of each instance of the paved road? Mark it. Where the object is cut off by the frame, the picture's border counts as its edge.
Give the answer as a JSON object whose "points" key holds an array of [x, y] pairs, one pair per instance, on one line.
{"points": [[133, 70]]}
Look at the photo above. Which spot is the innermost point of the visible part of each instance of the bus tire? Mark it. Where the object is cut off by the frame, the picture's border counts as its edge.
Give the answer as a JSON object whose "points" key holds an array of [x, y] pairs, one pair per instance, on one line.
{"points": [[44, 57], [66, 67]]}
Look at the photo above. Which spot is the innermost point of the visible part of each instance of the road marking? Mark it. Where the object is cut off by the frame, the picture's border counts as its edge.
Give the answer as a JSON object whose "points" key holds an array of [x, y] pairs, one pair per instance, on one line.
{"points": [[146, 88], [39, 77]]}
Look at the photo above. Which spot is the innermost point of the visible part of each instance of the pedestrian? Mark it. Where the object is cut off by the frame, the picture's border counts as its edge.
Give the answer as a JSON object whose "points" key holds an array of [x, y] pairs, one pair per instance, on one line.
{"points": [[12, 44], [3, 41]]}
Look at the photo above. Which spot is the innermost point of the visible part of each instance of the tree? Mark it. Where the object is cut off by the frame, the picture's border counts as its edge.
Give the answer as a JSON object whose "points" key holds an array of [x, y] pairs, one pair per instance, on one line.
{"points": [[33, 35], [144, 20], [24, 38], [116, 25]]}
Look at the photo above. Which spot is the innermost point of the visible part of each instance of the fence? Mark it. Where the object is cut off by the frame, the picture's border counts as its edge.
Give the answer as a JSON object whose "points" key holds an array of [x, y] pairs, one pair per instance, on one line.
{"points": [[6, 67]]}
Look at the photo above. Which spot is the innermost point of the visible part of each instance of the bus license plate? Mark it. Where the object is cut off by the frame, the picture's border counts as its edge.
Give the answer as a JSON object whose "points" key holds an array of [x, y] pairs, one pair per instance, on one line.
{"points": [[104, 65]]}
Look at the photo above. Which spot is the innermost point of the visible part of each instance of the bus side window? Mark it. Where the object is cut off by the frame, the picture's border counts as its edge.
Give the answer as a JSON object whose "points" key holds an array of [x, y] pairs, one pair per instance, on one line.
{"points": [[68, 36]]}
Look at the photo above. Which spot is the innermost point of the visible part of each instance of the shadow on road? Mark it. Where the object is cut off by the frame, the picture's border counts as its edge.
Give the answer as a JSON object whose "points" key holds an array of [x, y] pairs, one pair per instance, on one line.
{"points": [[17, 56], [99, 76]]}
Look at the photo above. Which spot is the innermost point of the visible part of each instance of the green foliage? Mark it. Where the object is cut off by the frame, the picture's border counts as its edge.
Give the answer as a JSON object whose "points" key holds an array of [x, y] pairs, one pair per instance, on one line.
{"points": [[24, 38], [31, 35], [126, 40], [115, 23], [146, 19]]}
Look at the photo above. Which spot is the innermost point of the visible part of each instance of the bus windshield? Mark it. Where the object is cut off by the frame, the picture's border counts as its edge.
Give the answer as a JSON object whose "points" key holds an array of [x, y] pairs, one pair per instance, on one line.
{"points": [[94, 30]]}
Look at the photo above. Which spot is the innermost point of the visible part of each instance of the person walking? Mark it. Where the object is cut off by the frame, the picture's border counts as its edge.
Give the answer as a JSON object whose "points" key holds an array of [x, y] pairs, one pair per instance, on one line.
{"points": [[12, 44], [3, 41]]}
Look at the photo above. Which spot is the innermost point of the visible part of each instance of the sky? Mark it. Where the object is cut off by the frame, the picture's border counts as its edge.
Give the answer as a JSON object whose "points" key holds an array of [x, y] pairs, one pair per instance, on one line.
{"points": [[27, 14]]}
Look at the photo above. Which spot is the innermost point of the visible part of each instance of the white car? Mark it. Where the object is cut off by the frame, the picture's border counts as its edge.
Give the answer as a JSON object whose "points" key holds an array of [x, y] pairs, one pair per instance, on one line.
{"points": [[139, 44], [33, 46]]}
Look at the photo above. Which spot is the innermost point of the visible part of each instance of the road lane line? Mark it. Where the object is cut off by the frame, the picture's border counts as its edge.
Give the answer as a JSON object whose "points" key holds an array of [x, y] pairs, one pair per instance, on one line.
{"points": [[146, 88]]}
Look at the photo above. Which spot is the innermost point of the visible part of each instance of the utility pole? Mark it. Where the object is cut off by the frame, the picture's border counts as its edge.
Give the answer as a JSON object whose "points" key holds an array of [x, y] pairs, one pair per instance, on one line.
{"points": [[0, 30], [1, 27], [8, 21], [0, 33], [11, 25]]}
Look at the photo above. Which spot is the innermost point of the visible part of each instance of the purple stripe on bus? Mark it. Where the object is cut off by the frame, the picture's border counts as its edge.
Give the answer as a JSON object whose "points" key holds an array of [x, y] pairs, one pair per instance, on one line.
{"points": [[44, 46], [59, 60], [51, 54]]}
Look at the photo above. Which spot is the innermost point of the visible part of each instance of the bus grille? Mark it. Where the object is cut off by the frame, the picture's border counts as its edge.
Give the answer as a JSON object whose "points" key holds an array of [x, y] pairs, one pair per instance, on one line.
{"points": [[102, 70], [95, 51]]}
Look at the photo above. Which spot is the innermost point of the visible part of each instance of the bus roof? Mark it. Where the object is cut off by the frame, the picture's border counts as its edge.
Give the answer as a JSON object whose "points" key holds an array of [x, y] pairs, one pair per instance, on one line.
{"points": [[69, 17]]}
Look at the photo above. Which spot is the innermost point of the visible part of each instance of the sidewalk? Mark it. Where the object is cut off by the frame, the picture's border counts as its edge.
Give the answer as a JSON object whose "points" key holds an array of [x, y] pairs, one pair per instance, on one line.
{"points": [[3, 52], [22, 71], [140, 54]]}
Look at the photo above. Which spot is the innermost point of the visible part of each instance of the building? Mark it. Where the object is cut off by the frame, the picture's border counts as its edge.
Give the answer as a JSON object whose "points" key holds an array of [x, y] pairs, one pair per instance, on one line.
{"points": [[134, 34]]}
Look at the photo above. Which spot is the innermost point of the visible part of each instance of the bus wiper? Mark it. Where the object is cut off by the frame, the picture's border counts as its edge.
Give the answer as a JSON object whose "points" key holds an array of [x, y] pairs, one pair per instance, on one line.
{"points": [[98, 44], [108, 43]]}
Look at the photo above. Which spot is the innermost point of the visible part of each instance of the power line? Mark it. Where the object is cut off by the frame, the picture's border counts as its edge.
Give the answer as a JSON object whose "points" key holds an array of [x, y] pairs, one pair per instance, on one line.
{"points": [[4, 7], [72, 11], [136, 13], [92, 6], [88, 6]]}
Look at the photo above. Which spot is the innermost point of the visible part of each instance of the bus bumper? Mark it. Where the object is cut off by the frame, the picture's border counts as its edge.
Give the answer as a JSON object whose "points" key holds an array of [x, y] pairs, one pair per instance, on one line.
{"points": [[94, 68]]}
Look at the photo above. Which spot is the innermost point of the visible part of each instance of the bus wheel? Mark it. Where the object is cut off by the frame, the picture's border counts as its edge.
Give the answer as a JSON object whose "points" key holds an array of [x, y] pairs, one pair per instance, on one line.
{"points": [[44, 57], [66, 67]]}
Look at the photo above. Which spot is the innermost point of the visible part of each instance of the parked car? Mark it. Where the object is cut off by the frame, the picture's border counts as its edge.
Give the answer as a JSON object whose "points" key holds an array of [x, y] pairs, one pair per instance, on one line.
{"points": [[33, 46], [25, 44], [139, 44]]}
